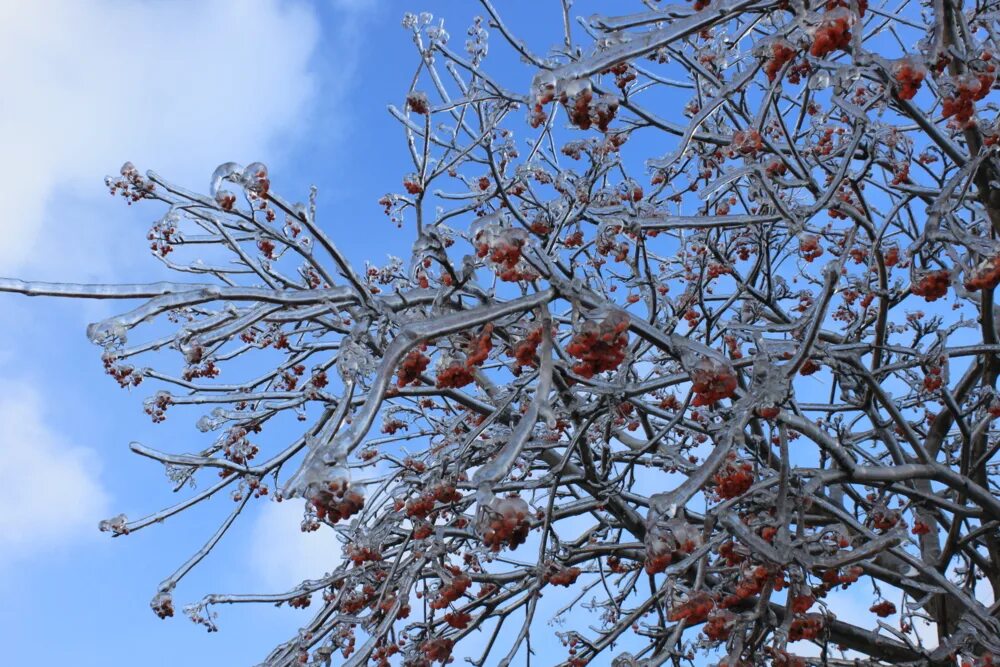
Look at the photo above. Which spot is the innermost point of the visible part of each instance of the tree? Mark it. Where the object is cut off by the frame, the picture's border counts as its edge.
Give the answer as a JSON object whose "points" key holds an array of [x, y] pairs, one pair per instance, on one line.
{"points": [[674, 335]]}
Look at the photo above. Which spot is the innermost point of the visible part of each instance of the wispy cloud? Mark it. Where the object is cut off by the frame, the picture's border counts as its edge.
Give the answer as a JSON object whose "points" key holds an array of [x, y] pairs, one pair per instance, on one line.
{"points": [[50, 493], [282, 555], [178, 86]]}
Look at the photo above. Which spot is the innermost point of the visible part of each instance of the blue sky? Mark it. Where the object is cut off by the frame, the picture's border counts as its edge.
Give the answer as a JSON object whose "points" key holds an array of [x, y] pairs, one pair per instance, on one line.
{"points": [[179, 87]]}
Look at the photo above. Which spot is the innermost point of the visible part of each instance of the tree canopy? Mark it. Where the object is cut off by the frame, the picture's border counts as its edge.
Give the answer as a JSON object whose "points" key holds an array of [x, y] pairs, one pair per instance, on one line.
{"points": [[697, 337]]}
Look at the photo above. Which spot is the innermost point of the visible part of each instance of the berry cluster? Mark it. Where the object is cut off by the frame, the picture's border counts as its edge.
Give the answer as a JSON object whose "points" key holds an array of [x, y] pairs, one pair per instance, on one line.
{"points": [[205, 370], [438, 649], [525, 352], [781, 51], [959, 96], [162, 605], [300, 602], [936, 377], [452, 590], [124, 374], [256, 180], [382, 654], [505, 522], [479, 347], [418, 103], [505, 251], [574, 660], [746, 143], [659, 554], [719, 625], [237, 448], [391, 425], [412, 184], [768, 411], [774, 168], [586, 111], [809, 626], [412, 366], [266, 247], [225, 199], [932, 285], [454, 376], [837, 577], [600, 345], [712, 381], [751, 583], [883, 609], [420, 507], [458, 373], [446, 493], [161, 234], [132, 186], [503, 248], [421, 531], [693, 610], [908, 74], [624, 73], [802, 603], [883, 519], [729, 554], [360, 554], [832, 33], [985, 276], [156, 407], [809, 247], [668, 540], [458, 619], [337, 501], [779, 658], [574, 239], [562, 576]]}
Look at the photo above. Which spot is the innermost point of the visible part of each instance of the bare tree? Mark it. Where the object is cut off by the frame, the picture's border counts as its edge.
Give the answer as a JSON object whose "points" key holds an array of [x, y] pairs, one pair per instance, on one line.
{"points": [[699, 326]]}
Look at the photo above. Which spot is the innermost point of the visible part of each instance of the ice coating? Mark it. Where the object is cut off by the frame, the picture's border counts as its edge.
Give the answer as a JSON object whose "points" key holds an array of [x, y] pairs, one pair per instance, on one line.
{"points": [[668, 539], [354, 361], [227, 171], [116, 525], [109, 330], [255, 178], [213, 421]]}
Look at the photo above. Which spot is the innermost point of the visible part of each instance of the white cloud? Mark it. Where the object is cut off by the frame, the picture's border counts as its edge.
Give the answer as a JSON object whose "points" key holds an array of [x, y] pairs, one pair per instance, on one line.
{"points": [[49, 490], [176, 86], [282, 555]]}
